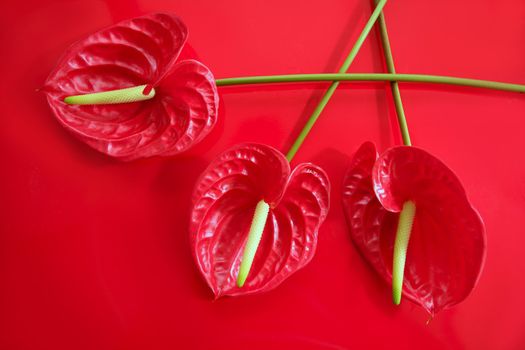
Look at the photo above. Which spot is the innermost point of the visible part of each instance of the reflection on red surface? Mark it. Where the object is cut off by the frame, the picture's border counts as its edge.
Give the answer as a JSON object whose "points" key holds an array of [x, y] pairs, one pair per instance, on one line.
{"points": [[223, 204], [139, 51], [447, 245]]}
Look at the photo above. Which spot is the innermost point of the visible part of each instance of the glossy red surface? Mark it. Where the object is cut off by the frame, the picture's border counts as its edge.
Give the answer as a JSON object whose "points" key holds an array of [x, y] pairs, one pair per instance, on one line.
{"points": [[447, 246], [224, 200], [138, 51], [95, 253]]}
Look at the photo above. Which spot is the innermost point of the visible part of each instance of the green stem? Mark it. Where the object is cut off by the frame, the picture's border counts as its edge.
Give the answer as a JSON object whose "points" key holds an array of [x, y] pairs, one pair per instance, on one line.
{"points": [[406, 217], [330, 77], [371, 77], [127, 95], [404, 229], [262, 208], [260, 216], [346, 64], [387, 51]]}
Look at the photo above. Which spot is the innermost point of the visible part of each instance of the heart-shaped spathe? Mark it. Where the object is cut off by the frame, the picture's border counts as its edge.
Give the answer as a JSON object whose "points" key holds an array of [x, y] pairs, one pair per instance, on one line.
{"points": [[134, 52], [223, 206], [447, 246]]}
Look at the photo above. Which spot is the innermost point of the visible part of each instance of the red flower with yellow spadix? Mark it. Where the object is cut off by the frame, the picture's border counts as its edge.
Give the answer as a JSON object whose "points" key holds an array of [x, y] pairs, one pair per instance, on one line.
{"points": [[122, 91], [254, 221], [410, 218]]}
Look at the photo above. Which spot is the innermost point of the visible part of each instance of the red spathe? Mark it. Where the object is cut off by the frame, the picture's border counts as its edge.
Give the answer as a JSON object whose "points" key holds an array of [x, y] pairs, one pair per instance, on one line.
{"points": [[143, 50], [224, 200], [447, 246]]}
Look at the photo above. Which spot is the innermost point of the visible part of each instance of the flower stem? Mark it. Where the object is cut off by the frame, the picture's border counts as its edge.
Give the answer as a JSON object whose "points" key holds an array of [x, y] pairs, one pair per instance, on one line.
{"points": [[387, 51], [328, 94], [262, 209], [371, 77], [260, 216], [404, 229], [406, 217], [127, 95]]}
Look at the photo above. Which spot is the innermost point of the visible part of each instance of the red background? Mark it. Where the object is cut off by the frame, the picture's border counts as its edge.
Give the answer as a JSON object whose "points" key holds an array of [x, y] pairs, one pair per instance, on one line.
{"points": [[94, 253]]}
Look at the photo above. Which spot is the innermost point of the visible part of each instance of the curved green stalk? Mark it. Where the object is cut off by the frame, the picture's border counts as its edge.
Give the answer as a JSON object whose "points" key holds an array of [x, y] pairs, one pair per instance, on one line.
{"points": [[260, 216], [262, 208], [328, 94], [406, 217], [127, 95], [371, 77], [404, 229], [387, 52]]}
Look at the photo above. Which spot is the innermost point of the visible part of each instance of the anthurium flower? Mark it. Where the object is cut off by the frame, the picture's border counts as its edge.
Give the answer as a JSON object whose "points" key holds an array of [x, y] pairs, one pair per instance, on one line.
{"points": [[180, 100], [256, 178], [447, 244]]}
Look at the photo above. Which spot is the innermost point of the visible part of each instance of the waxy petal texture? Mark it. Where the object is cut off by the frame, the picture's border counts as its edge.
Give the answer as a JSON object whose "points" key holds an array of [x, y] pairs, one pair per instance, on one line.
{"points": [[224, 200], [139, 51], [448, 245]]}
